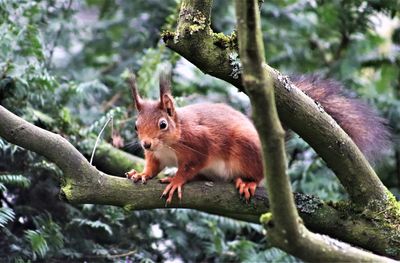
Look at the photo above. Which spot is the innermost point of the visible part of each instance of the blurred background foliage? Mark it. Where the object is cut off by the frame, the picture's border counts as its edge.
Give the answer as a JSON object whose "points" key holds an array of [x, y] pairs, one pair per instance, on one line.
{"points": [[61, 63]]}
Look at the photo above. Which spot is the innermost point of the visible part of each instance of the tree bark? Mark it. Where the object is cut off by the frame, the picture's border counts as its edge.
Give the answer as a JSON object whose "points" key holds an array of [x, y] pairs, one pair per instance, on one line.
{"points": [[372, 223], [216, 54], [284, 227], [82, 183]]}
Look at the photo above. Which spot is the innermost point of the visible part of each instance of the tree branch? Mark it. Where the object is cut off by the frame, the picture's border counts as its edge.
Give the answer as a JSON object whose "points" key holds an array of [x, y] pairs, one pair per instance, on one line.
{"points": [[82, 183], [215, 54], [285, 230], [259, 86], [116, 162]]}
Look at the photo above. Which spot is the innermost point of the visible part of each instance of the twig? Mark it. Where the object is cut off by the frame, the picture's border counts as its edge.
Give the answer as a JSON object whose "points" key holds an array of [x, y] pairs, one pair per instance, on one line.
{"points": [[98, 139], [123, 254]]}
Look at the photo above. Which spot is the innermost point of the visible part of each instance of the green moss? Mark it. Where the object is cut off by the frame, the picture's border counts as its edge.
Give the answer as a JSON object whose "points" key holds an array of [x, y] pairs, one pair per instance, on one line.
{"points": [[136, 166], [384, 214], [195, 28], [167, 35], [393, 204], [341, 206], [223, 41], [66, 190], [116, 162], [129, 208], [195, 20], [266, 218]]}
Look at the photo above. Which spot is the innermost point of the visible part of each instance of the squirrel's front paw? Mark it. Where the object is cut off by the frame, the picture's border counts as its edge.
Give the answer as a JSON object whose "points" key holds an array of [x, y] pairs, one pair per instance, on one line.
{"points": [[175, 183], [135, 176]]}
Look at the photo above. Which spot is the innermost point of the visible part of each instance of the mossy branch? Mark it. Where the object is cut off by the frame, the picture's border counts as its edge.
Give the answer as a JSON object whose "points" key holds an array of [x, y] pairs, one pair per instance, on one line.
{"points": [[216, 54], [83, 183], [259, 87], [285, 229]]}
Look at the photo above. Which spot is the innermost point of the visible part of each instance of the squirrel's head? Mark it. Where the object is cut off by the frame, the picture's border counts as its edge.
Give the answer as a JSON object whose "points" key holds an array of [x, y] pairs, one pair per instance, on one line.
{"points": [[157, 121]]}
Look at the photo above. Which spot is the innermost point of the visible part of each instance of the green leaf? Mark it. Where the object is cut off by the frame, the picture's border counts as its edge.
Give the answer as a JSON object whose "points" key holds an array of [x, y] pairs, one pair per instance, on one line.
{"points": [[6, 215], [50, 230], [15, 180], [38, 243]]}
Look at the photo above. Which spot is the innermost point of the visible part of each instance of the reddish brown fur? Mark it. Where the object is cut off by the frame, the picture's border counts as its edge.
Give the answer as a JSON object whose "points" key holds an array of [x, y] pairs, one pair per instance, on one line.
{"points": [[218, 141], [369, 131], [210, 139]]}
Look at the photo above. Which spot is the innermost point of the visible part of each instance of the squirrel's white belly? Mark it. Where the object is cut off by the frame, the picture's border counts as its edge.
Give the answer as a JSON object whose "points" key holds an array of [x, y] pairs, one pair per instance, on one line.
{"points": [[219, 168], [216, 168]]}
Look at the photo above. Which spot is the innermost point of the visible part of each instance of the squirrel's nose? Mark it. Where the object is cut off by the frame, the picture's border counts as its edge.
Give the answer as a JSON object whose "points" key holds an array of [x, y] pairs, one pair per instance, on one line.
{"points": [[147, 145]]}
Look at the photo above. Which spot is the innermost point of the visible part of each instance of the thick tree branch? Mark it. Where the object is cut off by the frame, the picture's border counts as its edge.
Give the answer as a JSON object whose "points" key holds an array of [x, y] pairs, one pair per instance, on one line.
{"points": [[285, 230], [83, 183], [216, 54], [50, 145], [259, 86], [116, 162]]}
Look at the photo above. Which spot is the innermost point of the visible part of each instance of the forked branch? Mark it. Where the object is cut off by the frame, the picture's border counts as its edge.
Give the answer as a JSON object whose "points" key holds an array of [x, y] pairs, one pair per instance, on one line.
{"points": [[83, 183], [285, 229], [216, 54]]}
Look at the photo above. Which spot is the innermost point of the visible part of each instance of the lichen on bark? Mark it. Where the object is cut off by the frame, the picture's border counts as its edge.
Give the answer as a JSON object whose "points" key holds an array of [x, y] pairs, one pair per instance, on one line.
{"points": [[296, 110], [225, 42]]}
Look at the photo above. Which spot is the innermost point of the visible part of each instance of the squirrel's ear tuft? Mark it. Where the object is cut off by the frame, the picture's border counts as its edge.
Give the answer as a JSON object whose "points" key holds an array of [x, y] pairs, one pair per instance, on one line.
{"points": [[135, 94], [165, 83]]}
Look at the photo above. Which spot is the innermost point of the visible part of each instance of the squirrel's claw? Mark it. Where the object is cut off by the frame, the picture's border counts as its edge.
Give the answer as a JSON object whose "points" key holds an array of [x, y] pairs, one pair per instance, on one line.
{"points": [[238, 182], [247, 189], [135, 176], [180, 193], [131, 174], [165, 180], [173, 186], [172, 191], [144, 180]]}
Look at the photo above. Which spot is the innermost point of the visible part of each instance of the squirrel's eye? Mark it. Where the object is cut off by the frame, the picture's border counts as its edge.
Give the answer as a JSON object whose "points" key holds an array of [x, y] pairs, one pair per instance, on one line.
{"points": [[135, 127], [163, 124]]}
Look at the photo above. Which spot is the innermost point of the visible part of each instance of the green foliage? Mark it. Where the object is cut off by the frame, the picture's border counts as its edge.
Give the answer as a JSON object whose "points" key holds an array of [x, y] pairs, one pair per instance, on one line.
{"points": [[6, 215], [47, 238], [92, 224], [61, 64], [15, 180], [38, 243]]}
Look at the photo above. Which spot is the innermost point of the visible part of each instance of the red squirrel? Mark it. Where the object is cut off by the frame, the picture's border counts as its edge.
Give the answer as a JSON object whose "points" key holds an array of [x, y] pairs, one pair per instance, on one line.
{"points": [[220, 142]]}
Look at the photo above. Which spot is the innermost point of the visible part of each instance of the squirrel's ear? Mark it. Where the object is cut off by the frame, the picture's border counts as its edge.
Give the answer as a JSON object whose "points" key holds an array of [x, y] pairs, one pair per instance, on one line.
{"points": [[135, 94], [166, 100], [167, 104]]}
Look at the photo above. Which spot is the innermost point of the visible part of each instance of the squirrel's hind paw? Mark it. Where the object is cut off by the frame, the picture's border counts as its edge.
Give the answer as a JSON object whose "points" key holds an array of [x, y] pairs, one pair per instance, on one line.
{"points": [[246, 188]]}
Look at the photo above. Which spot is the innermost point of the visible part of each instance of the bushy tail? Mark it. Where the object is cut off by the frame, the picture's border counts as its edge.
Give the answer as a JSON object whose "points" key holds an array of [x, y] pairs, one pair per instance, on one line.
{"points": [[370, 132]]}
